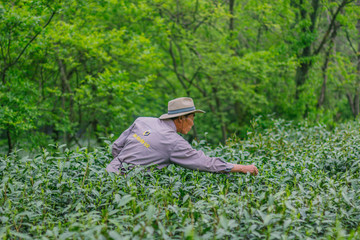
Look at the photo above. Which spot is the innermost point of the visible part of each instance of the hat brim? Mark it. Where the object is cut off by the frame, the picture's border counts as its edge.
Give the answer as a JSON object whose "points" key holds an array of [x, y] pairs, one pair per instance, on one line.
{"points": [[168, 116]]}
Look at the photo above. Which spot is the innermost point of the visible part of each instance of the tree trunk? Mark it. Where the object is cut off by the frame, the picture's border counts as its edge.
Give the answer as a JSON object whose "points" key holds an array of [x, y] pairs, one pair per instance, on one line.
{"points": [[63, 92], [356, 98], [323, 87], [78, 103], [301, 75], [351, 103], [356, 104], [3, 75], [94, 124], [325, 66], [66, 89], [10, 145], [231, 22], [305, 65], [219, 113]]}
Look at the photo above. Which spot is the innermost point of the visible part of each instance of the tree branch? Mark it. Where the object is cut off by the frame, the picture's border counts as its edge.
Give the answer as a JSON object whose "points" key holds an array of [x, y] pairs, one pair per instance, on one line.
{"points": [[31, 40], [349, 40], [331, 26], [175, 66]]}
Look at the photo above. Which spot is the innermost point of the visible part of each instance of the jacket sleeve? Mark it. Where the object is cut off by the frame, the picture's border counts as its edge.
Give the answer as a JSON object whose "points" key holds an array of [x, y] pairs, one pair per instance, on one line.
{"points": [[120, 142], [184, 155], [114, 166]]}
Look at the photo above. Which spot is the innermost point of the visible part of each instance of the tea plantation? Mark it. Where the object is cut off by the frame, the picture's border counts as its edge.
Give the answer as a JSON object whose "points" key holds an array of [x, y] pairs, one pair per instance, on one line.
{"points": [[308, 187]]}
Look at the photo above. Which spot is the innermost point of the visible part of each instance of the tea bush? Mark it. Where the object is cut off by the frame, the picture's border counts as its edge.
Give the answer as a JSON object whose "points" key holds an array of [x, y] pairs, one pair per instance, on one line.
{"points": [[308, 187]]}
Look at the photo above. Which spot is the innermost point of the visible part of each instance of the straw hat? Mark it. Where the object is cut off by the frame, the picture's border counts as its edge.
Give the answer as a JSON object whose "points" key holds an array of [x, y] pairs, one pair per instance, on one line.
{"points": [[180, 107]]}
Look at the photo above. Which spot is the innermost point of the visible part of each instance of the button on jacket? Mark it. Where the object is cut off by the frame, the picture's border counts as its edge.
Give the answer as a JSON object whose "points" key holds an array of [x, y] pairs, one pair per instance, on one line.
{"points": [[151, 141]]}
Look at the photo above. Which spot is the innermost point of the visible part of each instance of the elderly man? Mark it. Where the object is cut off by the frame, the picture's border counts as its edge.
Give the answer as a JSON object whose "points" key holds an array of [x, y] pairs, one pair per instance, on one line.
{"points": [[154, 141]]}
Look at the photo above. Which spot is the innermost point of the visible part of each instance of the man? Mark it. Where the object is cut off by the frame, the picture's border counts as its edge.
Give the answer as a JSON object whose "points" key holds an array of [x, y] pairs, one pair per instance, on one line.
{"points": [[154, 141]]}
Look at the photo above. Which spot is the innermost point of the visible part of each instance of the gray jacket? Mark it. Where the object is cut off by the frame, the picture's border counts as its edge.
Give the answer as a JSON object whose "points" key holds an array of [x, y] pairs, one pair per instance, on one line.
{"points": [[151, 141]]}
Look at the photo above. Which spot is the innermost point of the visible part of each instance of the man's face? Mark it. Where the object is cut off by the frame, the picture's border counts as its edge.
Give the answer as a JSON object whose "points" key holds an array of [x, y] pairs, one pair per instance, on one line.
{"points": [[186, 123]]}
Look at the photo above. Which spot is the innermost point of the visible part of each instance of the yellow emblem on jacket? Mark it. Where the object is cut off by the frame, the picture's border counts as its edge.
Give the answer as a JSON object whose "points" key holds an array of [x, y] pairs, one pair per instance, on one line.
{"points": [[146, 133], [142, 141]]}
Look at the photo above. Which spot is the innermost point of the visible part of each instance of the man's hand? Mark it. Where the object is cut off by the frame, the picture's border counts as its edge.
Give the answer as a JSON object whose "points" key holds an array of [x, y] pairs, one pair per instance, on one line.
{"points": [[245, 169], [251, 169]]}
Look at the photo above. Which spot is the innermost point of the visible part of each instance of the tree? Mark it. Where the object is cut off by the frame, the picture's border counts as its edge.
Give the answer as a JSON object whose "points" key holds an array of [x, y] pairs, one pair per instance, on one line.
{"points": [[312, 40], [21, 24]]}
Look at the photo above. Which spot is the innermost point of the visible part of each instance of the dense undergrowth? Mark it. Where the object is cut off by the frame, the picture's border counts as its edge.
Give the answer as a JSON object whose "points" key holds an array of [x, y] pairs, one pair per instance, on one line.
{"points": [[308, 187]]}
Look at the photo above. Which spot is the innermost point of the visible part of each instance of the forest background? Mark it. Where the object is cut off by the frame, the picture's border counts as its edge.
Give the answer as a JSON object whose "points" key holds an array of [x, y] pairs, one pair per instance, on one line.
{"points": [[78, 71]]}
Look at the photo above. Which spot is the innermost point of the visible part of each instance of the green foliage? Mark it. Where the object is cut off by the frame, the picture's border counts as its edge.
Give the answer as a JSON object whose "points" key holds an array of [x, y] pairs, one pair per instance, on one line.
{"points": [[75, 70], [307, 187], [82, 76], [21, 23]]}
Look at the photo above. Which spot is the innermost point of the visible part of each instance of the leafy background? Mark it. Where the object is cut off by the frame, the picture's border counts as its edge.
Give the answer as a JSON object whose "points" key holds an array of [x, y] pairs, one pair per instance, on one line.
{"points": [[74, 71], [279, 80]]}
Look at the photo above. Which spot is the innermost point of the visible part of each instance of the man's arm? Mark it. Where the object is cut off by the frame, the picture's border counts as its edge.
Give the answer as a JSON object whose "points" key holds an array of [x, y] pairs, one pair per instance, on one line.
{"points": [[117, 146], [184, 155]]}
